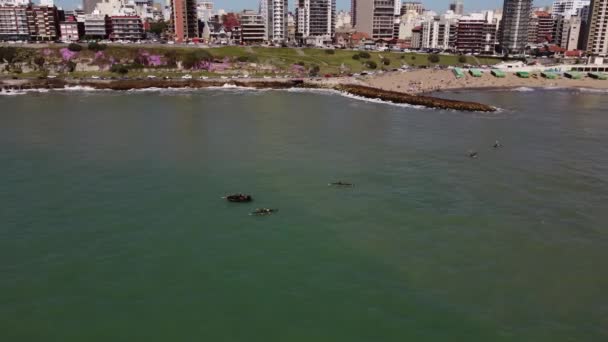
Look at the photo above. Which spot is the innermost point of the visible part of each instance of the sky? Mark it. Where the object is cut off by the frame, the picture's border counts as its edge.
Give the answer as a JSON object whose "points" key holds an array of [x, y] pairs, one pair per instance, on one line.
{"points": [[436, 5]]}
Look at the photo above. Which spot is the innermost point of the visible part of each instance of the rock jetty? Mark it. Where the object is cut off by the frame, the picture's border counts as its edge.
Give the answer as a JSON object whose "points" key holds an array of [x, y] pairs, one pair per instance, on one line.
{"points": [[416, 100]]}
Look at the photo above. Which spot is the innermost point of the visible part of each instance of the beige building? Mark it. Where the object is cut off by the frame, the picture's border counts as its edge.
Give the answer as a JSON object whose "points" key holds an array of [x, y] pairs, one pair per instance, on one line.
{"points": [[374, 17], [597, 43]]}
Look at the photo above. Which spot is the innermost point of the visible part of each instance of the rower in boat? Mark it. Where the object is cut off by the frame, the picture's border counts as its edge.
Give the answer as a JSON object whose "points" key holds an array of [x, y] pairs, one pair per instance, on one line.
{"points": [[340, 183], [239, 198], [264, 211]]}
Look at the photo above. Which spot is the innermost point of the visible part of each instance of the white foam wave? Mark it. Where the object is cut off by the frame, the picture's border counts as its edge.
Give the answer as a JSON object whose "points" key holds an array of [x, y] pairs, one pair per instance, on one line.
{"points": [[13, 92], [523, 89], [76, 88]]}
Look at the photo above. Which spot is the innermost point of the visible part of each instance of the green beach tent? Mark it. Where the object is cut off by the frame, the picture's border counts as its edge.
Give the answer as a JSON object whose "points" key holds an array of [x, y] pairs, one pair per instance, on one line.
{"points": [[574, 75], [475, 73], [458, 73], [498, 73], [598, 76], [523, 74], [549, 75]]}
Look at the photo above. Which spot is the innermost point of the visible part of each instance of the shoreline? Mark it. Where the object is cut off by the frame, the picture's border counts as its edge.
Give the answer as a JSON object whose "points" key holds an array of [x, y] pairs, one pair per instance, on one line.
{"points": [[353, 88]]}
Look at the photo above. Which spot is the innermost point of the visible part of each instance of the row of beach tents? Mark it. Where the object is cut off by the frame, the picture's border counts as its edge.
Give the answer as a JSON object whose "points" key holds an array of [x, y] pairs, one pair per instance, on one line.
{"points": [[459, 73]]}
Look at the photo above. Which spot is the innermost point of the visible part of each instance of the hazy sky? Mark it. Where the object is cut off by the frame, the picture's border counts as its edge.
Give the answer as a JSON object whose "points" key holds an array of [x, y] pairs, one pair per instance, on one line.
{"points": [[437, 5]]}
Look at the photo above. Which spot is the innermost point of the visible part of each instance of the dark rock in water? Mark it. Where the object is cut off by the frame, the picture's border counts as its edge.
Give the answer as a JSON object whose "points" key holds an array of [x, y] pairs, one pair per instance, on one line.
{"points": [[417, 100]]}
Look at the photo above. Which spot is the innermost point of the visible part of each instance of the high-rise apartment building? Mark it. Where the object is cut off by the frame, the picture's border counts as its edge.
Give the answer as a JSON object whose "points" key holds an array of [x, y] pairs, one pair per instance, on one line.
{"points": [[88, 6], [597, 39], [457, 7], [514, 25], [477, 33], [43, 23], [568, 8], [570, 36], [275, 13], [184, 19], [417, 7], [541, 28], [252, 27], [374, 17], [315, 18], [13, 23], [204, 10]]}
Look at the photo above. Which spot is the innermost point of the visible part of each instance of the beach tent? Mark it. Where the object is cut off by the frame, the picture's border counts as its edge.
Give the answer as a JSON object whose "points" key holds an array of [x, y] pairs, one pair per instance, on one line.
{"points": [[549, 75], [598, 76], [458, 73], [523, 74], [574, 75], [498, 73], [475, 73]]}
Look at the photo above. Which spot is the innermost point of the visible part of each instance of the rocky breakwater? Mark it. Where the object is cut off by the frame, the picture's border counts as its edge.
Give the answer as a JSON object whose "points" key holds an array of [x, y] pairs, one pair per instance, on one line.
{"points": [[416, 100]]}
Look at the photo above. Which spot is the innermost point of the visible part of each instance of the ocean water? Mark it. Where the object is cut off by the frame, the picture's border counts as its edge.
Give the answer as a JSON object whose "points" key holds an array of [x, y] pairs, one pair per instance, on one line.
{"points": [[112, 227]]}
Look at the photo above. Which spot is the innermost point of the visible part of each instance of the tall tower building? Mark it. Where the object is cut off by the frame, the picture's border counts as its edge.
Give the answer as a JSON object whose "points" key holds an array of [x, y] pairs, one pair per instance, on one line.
{"points": [[457, 7], [88, 6], [315, 18], [417, 7], [184, 20], [514, 25], [374, 17], [597, 40], [275, 14], [568, 8]]}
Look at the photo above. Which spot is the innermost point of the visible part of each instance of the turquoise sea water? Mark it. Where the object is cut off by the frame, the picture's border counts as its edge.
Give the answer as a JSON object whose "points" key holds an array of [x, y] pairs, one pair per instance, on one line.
{"points": [[112, 227]]}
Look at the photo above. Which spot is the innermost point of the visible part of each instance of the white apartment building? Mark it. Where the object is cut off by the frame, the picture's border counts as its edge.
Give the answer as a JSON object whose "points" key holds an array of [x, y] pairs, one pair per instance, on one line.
{"points": [[315, 18], [570, 33], [275, 18], [204, 10], [438, 33], [568, 8]]}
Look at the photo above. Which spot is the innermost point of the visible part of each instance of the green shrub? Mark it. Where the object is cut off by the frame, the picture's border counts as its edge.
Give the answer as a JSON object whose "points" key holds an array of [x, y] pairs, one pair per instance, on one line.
{"points": [[8, 54], [171, 58], [96, 47], [462, 59], [242, 59], [70, 66], [386, 61], [314, 70], [300, 63], [192, 59], [356, 57], [74, 47], [434, 58], [330, 52], [364, 55], [371, 64], [39, 61], [119, 69]]}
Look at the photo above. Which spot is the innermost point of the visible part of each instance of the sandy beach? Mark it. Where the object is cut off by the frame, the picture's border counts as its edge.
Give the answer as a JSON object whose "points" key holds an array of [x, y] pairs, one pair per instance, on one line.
{"points": [[424, 81]]}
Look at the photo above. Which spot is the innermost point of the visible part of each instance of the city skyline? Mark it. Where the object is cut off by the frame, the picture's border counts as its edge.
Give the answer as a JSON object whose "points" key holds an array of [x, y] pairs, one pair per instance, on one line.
{"points": [[436, 5]]}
